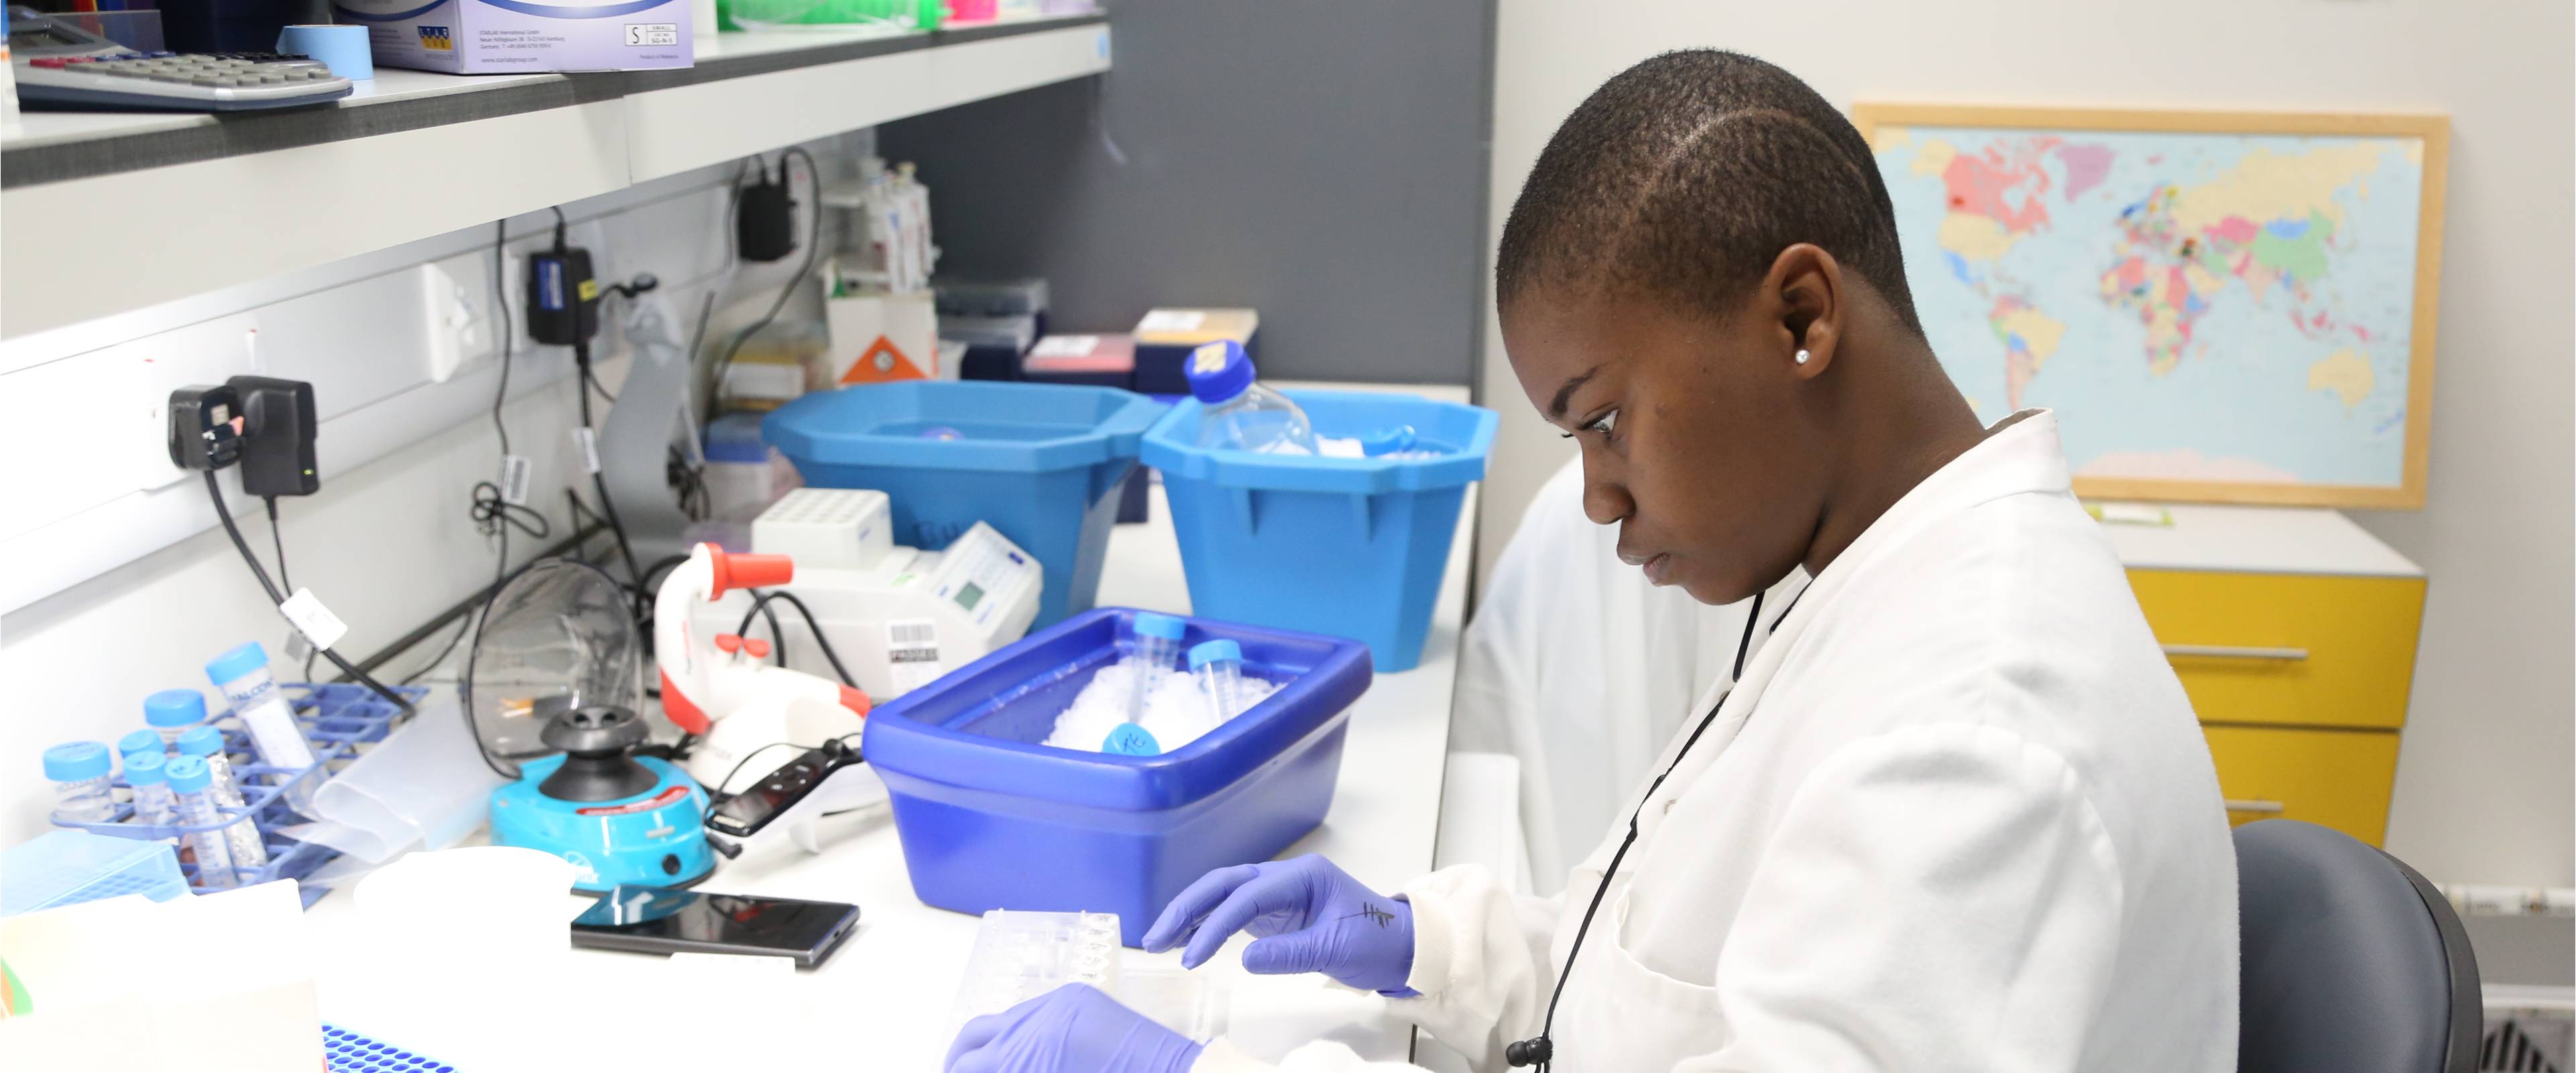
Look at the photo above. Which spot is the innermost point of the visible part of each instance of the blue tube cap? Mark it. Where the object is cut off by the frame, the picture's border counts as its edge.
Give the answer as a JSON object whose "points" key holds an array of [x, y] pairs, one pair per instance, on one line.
{"points": [[1387, 441], [1149, 624], [182, 707], [1131, 740], [188, 774], [201, 741], [73, 761], [1215, 652], [240, 660], [1218, 371], [139, 743], [144, 769]]}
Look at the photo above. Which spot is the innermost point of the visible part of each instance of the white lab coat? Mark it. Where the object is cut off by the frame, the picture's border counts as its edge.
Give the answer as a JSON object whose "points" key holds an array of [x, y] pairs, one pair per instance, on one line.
{"points": [[1580, 669], [1957, 816]]}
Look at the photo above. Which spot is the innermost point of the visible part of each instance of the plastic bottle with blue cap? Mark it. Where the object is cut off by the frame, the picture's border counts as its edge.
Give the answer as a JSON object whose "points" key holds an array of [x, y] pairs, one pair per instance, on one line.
{"points": [[149, 774], [81, 772], [1239, 414], [189, 782], [207, 744], [172, 712], [1218, 666], [138, 743], [242, 674]]}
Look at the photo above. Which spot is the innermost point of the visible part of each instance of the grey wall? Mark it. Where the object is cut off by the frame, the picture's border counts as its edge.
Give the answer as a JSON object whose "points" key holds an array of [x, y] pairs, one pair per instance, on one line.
{"points": [[1323, 161]]}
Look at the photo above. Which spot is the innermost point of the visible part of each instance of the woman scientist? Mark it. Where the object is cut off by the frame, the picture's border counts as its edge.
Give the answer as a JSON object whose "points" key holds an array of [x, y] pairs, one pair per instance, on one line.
{"points": [[1954, 814]]}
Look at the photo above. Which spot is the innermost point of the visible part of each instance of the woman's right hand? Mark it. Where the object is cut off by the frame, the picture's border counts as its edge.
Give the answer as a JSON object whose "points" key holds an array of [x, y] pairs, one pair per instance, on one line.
{"points": [[1309, 915]]}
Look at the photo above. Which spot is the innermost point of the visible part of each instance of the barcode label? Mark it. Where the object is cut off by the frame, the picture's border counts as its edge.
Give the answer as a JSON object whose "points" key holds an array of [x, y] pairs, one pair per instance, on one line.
{"points": [[514, 479], [313, 620], [912, 640], [589, 444]]}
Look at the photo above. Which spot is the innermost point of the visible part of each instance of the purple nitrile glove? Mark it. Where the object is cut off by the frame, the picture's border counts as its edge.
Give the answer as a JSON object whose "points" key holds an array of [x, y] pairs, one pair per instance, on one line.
{"points": [[1310, 916], [1072, 1029]]}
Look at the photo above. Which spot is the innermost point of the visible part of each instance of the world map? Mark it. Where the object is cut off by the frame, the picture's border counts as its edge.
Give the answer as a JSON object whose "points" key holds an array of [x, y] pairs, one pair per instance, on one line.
{"points": [[2197, 307]]}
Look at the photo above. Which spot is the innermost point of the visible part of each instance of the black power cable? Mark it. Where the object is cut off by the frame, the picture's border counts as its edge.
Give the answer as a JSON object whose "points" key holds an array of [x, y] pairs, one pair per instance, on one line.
{"points": [[215, 492], [760, 605]]}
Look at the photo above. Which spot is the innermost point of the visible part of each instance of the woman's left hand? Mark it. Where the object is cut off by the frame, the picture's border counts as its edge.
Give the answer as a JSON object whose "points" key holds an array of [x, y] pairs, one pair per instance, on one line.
{"points": [[1072, 1029]]}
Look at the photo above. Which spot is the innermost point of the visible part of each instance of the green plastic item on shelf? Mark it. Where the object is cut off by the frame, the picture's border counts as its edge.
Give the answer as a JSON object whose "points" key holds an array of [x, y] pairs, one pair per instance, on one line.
{"points": [[746, 14]]}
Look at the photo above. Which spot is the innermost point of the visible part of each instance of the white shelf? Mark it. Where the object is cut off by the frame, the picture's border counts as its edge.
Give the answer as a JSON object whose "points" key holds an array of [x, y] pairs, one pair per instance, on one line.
{"points": [[108, 213]]}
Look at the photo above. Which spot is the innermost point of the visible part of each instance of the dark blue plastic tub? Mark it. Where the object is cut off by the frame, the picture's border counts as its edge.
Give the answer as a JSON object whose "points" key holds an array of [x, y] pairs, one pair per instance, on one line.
{"points": [[992, 820], [1042, 463]]}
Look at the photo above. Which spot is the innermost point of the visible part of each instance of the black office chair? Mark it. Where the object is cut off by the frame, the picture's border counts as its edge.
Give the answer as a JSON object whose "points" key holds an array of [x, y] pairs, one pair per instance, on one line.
{"points": [[2352, 963]]}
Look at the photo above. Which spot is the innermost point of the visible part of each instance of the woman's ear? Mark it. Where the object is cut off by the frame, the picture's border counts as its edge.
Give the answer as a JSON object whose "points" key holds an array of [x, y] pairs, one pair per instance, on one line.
{"points": [[1806, 286]]}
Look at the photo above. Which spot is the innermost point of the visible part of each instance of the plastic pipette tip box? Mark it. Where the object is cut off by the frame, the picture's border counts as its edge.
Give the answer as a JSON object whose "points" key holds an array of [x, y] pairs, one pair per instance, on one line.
{"points": [[61, 868], [1019, 956], [349, 1052]]}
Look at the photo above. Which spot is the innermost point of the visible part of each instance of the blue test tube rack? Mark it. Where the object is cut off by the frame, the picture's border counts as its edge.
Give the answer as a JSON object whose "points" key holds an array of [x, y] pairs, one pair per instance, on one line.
{"points": [[336, 717]]}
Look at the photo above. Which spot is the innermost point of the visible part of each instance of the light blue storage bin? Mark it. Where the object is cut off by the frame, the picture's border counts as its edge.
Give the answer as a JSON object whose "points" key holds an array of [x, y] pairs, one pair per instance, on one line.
{"points": [[1041, 463], [1351, 547]]}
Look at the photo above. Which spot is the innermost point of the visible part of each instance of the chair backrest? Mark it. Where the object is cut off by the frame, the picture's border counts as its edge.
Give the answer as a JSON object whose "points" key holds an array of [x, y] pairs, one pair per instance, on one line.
{"points": [[2351, 962]]}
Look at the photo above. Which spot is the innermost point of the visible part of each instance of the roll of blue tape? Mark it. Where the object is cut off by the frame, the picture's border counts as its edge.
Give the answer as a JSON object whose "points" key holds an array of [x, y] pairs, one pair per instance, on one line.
{"points": [[343, 47]]}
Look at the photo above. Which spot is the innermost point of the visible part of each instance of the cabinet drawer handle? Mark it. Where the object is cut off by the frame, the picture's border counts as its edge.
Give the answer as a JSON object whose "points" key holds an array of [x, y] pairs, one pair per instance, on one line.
{"points": [[2262, 808], [2235, 652]]}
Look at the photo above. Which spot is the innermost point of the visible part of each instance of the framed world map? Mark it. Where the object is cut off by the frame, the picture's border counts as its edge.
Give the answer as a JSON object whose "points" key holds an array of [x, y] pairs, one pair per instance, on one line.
{"points": [[2220, 306]]}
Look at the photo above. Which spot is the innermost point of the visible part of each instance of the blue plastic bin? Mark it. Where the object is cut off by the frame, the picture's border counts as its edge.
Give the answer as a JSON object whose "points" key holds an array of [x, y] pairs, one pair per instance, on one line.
{"points": [[1348, 546], [989, 819], [1042, 463]]}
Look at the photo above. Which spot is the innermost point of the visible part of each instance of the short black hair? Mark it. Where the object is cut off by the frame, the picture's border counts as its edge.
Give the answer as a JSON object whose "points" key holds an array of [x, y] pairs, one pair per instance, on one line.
{"points": [[1687, 174]]}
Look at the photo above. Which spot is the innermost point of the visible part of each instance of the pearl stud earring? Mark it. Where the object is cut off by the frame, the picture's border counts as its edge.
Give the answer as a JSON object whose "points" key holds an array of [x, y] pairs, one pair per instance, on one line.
{"points": [[1803, 355]]}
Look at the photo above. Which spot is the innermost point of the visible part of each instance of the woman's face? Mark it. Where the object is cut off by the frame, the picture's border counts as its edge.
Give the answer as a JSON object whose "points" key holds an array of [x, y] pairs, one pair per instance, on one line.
{"points": [[1701, 438]]}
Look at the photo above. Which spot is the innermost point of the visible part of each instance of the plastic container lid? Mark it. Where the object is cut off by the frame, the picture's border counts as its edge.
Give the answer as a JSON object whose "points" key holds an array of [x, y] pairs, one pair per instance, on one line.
{"points": [[188, 774], [736, 438], [201, 741], [183, 707], [1149, 624], [73, 761], [144, 769], [1213, 652], [139, 743], [241, 660], [1218, 371]]}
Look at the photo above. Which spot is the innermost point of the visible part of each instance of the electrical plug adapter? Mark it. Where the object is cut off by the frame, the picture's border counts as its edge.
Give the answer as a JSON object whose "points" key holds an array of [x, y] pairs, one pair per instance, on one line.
{"points": [[563, 296], [279, 425], [202, 432], [764, 219]]}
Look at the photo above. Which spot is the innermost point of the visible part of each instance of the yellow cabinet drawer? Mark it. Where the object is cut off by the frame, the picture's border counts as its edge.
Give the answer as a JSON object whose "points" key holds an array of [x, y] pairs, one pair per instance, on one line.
{"points": [[2298, 649], [2337, 778]]}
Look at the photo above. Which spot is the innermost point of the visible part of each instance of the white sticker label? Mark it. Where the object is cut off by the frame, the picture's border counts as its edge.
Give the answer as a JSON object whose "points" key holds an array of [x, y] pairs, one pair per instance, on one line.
{"points": [[588, 441], [315, 621], [1208, 359], [649, 34], [912, 640], [912, 652], [1172, 320], [514, 479], [1065, 346]]}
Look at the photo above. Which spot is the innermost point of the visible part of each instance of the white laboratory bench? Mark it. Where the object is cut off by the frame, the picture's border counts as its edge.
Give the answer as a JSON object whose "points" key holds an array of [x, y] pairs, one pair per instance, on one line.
{"points": [[882, 1002]]}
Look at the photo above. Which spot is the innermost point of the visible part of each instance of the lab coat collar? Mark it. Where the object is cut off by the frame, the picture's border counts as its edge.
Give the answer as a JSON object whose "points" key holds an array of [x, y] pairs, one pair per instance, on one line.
{"points": [[2019, 455]]}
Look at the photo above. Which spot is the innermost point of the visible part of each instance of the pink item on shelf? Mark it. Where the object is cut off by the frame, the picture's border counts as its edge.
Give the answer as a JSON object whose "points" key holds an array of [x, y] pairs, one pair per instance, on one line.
{"points": [[1062, 354], [973, 10]]}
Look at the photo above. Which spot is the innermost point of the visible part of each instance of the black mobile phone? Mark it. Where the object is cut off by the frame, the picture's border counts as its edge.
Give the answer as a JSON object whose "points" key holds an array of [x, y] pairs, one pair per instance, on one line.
{"points": [[660, 920]]}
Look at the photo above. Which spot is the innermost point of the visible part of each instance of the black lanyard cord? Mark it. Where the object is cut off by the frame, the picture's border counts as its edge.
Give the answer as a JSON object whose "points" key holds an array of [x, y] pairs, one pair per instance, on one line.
{"points": [[1540, 1050]]}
